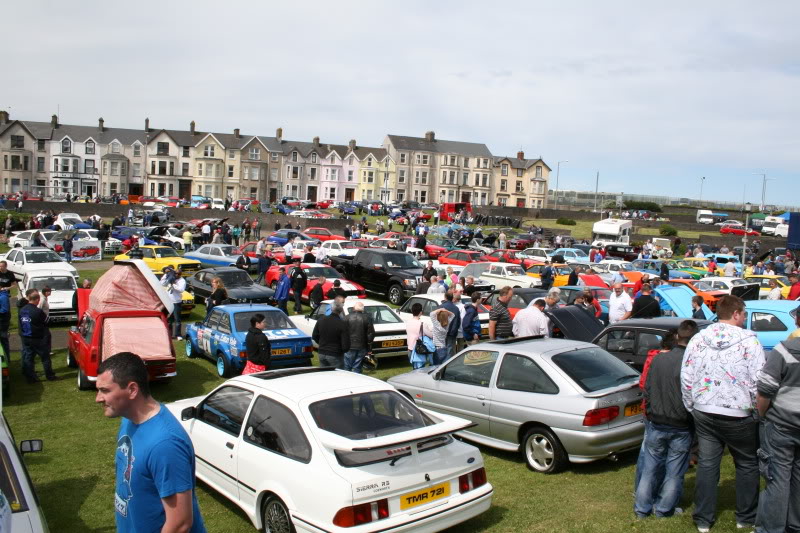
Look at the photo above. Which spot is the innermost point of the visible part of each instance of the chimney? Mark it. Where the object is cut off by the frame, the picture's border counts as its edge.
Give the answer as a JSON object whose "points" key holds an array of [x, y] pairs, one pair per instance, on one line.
{"points": [[430, 136], [352, 144], [147, 125], [191, 127], [100, 124], [54, 121], [316, 141], [279, 134], [521, 155], [3, 117], [236, 133]]}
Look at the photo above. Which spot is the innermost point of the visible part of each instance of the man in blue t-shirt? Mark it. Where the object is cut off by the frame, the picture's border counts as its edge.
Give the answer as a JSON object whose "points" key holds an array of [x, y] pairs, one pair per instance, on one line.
{"points": [[154, 460]]}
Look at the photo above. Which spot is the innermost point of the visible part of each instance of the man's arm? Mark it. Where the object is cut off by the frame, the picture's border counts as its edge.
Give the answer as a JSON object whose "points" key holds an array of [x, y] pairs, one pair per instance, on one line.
{"points": [[178, 509], [492, 326], [762, 404], [687, 377]]}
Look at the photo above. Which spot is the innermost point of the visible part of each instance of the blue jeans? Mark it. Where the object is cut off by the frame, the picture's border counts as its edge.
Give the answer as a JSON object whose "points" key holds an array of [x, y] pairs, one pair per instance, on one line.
{"points": [[331, 360], [31, 347], [779, 462], [176, 320], [666, 456], [440, 355], [451, 346], [353, 359]]}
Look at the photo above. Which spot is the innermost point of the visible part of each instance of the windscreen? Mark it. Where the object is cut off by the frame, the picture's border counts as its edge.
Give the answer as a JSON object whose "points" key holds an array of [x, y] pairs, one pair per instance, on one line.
{"points": [[165, 251], [9, 484], [235, 278], [328, 272], [601, 294], [401, 261], [57, 283], [349, 245], [381, 314], [515, 271], [274, 320], [42, 256], [594, 369], [230, 250]]}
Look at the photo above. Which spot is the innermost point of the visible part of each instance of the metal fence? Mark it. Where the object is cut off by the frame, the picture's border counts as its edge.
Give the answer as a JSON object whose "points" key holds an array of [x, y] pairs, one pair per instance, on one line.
{"points": [[590, 199]]}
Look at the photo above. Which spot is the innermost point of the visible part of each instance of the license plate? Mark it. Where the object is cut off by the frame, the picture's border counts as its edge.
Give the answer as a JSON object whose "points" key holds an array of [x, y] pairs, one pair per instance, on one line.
{"points": [[633, 409], [391, 344], [421, 497], [282, 351], [485, 331]]}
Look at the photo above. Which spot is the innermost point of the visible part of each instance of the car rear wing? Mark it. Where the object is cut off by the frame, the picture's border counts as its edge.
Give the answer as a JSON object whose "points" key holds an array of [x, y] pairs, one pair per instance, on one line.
{"points": [[447, 426], [612, 390]]}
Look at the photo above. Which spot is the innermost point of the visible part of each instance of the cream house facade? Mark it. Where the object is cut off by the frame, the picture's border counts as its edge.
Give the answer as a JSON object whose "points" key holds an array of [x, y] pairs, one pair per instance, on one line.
{"points": [[520, 182]]}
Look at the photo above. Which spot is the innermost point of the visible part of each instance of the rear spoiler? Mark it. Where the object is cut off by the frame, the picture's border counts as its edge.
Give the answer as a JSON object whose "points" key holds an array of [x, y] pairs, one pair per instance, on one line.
{"points": [[449, 424], [612, 390]]}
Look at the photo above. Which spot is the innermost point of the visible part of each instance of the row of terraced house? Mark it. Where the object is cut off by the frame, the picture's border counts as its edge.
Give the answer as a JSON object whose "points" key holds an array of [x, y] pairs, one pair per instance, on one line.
{"points": [[53, 159]]}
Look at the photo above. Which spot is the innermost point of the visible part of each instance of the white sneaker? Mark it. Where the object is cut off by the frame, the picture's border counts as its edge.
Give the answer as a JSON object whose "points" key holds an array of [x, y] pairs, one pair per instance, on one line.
{"points": [[703, 529], [179, 338], [745, 526]]}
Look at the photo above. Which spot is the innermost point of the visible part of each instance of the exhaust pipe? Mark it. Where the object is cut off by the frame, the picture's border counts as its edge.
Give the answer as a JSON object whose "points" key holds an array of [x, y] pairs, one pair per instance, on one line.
{"points": [[613, 458]]}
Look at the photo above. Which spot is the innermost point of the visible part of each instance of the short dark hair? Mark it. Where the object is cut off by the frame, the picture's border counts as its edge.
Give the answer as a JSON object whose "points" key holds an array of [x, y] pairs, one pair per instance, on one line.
{"points": [[337, 283], [476, 296], [670, 340], [698, 299], [504, 291], [687, 330], [127, 367], [646, 287], [728, 305], [448, 296], [29, 292], [256, 318], [416, 309]]}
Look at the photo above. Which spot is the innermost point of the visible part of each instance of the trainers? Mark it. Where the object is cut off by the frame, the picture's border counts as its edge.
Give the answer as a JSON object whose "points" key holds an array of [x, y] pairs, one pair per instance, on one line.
{"points": [[740, 525], [703, 529], [178, 338]]}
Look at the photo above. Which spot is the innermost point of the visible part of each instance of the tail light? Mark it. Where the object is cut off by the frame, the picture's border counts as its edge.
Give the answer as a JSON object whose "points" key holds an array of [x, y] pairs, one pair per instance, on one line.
{"points": [[597, 417], [308, 349], [473, 480], [93, 355], [5, 372], [362, 513], [243, 355]]}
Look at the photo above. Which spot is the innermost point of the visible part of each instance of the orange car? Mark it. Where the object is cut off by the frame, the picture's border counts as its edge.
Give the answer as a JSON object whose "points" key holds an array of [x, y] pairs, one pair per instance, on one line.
{"points": [[709, 297]]}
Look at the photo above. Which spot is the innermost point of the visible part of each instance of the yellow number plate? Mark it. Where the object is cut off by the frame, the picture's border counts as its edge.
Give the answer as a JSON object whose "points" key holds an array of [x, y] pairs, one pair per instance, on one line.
{"points": [[282, 351], [389, 344], [421, 497], [485, 331], [633, 409]]}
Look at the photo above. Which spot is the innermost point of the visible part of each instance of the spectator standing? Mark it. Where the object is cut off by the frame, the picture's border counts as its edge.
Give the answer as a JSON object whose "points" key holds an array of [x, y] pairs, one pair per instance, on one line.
{"points": [[316, 295], [299, 283], [205, 230], [502, 240], [44, 302], [441, 319], [257, 346], [243, 262], [264, 262], [591, 303], [774, 291], [531, 320], [282, 291], [423, 286], [668, 438], [664, 271], [35, 337], [67, 246], [236, 233], [437, 287], [362, 333], [729, 269], [646, 306], [500, 325], [257, 227], [619, 304], [309, 257], [428, 272], [546, 277], [415, 327], [155, 459], [573, 279], [175, 284], [697, 308], [332, 336], [187, 240], [470, 322], [794, 291], [336, 290], [779, 455], [218, 294], [5, 321], [454, 326], [718, 380]]}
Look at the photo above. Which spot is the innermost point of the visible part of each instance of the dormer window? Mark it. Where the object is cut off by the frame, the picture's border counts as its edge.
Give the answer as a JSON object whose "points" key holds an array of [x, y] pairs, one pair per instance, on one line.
{"points": [[137, 150], [369, 161], [115, 148], [66, 146], [313, 158], [209, 150], [89, 147], [294, 156]]}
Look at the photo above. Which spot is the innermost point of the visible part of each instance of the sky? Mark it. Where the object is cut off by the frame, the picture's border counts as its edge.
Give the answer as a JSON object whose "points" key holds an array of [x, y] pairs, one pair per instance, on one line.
{"points": [[654, 97]]}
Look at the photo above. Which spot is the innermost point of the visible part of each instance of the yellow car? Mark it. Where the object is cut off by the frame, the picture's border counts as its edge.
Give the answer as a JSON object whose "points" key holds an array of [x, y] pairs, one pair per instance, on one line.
{"points": [[187, 303], [561, 273], [763, 281], [160, 257], [701, 263]]}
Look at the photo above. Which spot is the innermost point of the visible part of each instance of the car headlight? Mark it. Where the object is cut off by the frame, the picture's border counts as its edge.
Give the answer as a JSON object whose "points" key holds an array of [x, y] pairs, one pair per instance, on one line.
{"points": [[410, 283]]}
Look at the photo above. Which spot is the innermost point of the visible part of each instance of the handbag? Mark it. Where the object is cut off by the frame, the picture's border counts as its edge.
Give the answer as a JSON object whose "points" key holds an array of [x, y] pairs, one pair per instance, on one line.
{"points": [[420, 347]]}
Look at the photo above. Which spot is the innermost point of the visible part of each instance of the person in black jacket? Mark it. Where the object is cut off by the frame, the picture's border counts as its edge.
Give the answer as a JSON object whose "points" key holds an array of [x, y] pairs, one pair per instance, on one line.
{"points": [[336, 290], [35, 336], [257, 346], [362, 333], [309, 257], [299, 282], [332, 336], [646, 306], [669, 434], [317, 294], [244, 262], [573, 276], [428, 272]]}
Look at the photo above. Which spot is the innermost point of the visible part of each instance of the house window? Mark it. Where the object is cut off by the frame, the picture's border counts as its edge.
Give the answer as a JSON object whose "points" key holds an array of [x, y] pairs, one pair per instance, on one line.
{"points": [[255, 154], [65, 165], [538, 171], [208, 151], [115, 168], [255, 173], [295, 173], [17, 141], [273, 174], [423, 196], [349, 175], [199, 169], [137, 170], [313, 158], [66, 146], [112, 187], [369, 161], [503, 185], [504, 169], [163, 149], [351, 160], [40, 164], [501, 202], [90, 148], [231, 154], [452, 177], [230, 171], [370, 175], [477, 180], [519, 172], [444, 176], [40, 145], [403, 158], [294, 157], [485, 180], [115, 148], [313, 172], [466, 162], [519, 186], [273, 156], [137, 150], [453, 160], [123, 168], [401, 195], [334, 174], [162, 168], [152, 189], [401, 176], [465, 179], [185, 150], [424, 177], [88, 166], [185, 169]]}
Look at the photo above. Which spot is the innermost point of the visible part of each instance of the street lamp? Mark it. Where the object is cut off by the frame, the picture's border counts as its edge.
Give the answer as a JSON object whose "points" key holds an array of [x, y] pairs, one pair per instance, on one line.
{"points": [[702, 181], [558, 172], [747, 208], [764, 180]]}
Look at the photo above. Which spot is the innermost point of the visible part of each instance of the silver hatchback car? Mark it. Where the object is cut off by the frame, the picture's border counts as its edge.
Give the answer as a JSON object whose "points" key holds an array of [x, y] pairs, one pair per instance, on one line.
{"points": [[556, 401]]}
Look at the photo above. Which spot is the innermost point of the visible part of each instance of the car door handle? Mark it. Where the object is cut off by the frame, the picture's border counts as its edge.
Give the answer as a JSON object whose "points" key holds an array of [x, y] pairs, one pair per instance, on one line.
{"points": [[229, 445], [481, 397]]}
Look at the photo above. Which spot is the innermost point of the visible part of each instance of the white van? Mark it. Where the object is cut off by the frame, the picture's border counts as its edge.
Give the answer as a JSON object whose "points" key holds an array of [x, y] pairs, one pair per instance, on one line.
{"points": [[705, 216], [771, 223], [611, 231]]}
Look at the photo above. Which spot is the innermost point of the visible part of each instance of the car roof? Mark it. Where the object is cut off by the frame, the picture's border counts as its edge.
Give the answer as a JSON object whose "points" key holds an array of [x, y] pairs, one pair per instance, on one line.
{"points": [[772, 305], [349, 302], [154, 246], [437, 297], [663, 322], [543, 345], [295, 384], [220, 269], [235, 308], [500, 263]]}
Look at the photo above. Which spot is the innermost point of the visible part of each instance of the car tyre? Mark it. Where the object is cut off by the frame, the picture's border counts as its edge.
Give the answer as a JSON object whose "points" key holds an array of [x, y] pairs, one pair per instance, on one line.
{"points": [[177, 246], [223, 366], [83, 381], [191, 352], [71, 362], [395, 294], [275, 516], [543, 451]]}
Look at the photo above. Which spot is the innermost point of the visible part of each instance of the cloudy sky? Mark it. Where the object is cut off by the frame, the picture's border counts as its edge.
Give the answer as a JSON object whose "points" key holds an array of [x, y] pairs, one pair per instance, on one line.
{"points": [[652, 97]]}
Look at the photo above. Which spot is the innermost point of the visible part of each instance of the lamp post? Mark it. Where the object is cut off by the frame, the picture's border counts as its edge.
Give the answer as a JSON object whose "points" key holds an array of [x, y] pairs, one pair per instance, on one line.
{"points": [[702, 181], [558, 172], [747, 209]]}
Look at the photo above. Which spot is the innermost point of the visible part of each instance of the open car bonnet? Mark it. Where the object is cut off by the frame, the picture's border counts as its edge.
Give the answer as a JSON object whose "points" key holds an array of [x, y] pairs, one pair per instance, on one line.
{"points": [[679, 300], [750, 291], [129, 285], [575, 323]]}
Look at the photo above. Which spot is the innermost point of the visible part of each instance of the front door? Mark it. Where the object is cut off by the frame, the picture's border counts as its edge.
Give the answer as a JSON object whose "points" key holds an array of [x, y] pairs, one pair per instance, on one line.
{"points": [[88, 190], [137, 189], [312, 193], [349, 194]]}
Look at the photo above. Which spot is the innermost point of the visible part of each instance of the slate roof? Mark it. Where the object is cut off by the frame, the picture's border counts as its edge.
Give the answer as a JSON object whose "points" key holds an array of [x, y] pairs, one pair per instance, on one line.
{"points": [[439, 146], [515, 162]]}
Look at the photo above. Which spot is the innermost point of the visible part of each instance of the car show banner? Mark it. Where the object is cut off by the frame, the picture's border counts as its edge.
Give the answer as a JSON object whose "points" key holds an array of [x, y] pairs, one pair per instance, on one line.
{"points": [[86, 250]]}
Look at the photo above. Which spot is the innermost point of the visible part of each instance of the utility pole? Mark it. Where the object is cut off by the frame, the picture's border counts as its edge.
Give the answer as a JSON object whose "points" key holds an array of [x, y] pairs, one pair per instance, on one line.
{"points": [[702, 181], [558, 173]]}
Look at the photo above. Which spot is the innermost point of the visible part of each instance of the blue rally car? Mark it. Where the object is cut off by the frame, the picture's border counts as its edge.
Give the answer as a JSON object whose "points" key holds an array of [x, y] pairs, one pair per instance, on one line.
{"points": [[221, 335]]}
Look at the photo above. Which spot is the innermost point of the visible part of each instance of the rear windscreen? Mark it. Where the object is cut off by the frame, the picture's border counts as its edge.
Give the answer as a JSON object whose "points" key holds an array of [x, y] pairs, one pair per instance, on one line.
{"points": [[594, 369]]}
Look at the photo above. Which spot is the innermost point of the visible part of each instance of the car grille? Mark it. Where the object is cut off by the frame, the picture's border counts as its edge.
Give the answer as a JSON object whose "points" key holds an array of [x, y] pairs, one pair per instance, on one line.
{"points": [[190, 267]]}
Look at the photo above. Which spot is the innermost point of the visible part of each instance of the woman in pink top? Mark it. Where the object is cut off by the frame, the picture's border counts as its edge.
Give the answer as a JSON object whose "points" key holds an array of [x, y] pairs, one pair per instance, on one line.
{"points": [[413, 326]]}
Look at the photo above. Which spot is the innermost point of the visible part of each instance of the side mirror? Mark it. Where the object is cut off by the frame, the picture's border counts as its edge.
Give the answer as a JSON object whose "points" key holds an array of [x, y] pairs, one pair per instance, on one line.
{"points": [[73, 329], [437, 375], [189, 413], [31, 446]]}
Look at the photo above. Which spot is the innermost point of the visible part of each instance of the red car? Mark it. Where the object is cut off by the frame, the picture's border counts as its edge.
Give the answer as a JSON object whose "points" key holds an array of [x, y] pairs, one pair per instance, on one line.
{"points": [[419, 215], [313, 271], [738, 230], [324, 204], [86, 252], [521, 242], [249, 249], [460, 257], [115, 320], [323, 234]]}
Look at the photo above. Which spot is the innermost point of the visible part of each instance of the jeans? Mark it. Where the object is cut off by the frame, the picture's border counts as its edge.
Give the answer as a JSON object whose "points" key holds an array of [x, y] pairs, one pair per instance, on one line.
{"points": [[779, 460], [354, 359], [282, 305], [30, 349], [176, 320], [666, 459], [259, 278], [298, 304], [331, 360], [440, 355], [740, 435], [451, 346]]}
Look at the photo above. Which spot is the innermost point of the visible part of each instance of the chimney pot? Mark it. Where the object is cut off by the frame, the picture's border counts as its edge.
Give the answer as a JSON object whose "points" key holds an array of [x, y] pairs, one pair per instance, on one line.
{"points": [[54, 121], [147, 125], [352, 144], [279, 133], [191, 127], [100, 124], [520, 155], [4, 117], [316, 141], [236, 133], [430, 136]]}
